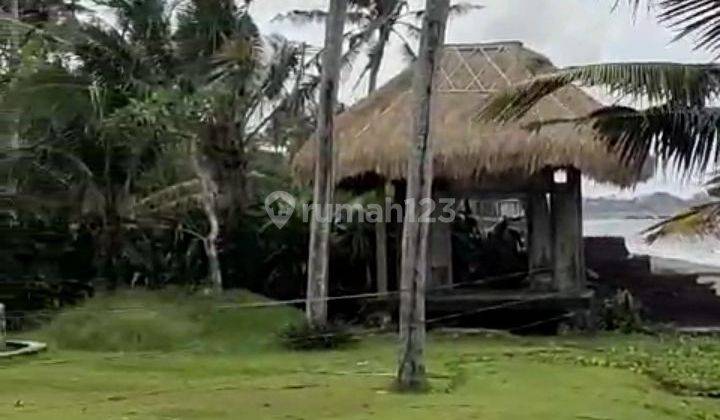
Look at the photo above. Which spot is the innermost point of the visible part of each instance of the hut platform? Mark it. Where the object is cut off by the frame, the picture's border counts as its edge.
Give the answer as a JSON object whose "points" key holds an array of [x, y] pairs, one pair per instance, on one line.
{"points": [[520, 311], [493, 305]]}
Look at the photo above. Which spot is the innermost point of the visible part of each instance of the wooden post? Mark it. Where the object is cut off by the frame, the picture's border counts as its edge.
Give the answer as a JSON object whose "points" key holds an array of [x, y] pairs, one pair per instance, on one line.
{"points": [[440, 250], [411, 373], [381, 254], [540, 241], [568, 253]]}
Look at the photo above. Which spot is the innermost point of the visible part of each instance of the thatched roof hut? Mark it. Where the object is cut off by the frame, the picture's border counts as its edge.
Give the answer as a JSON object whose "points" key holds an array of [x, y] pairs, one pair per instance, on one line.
{"points": [[372, 137]]}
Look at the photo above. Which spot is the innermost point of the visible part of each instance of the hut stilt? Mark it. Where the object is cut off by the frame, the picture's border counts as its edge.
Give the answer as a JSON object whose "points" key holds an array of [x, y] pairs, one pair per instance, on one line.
{"points": [[540, 245], [568, 259]]}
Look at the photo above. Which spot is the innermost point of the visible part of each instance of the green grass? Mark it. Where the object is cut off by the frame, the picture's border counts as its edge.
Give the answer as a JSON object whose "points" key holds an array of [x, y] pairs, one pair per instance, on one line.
{"points": [[228, 365]]}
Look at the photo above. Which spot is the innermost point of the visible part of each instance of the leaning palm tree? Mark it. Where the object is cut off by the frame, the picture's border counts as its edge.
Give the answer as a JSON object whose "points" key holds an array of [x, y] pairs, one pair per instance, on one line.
{"points": [[679, 126]]}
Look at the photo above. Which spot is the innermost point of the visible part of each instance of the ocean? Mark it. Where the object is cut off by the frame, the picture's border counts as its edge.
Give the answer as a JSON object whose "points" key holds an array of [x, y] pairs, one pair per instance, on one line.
{"points": [[704, 252]]}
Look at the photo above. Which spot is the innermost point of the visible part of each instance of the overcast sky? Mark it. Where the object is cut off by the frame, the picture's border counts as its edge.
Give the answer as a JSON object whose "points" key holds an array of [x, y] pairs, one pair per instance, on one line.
{"points": [[567, 31]]}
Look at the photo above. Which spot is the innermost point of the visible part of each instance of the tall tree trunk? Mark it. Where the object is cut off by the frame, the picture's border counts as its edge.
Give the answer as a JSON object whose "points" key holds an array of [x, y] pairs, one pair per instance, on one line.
{"points": [[13, 136], [321, 222], [381, 271], [376, 59], [15, 64], [225, 160], [221, 165], [411, 373], [209, 193]]}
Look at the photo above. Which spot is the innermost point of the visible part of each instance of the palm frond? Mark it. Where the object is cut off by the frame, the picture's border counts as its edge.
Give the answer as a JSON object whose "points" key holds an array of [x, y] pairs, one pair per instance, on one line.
{"points": [[238, 59], [684, 137], [204, 26], [25, 32], [178, 197], [304, 17], [283, 63], [713, 184], [685, 84], [408, 49], [700, 221], [456, 9], [50, 93], [697, 18]]}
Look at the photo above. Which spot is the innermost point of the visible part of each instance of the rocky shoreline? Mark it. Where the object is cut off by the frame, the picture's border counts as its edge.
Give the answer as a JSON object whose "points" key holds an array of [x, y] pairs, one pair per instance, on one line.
{"points": [[671, 291]]}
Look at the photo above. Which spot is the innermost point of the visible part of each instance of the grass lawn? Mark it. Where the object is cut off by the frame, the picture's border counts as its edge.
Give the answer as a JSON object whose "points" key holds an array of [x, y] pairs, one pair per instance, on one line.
{"points": [[227, 365]]}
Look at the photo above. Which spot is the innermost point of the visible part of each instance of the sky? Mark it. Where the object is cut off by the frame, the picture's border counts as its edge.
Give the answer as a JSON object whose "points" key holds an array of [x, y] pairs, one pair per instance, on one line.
{"points": [[569, 32]]}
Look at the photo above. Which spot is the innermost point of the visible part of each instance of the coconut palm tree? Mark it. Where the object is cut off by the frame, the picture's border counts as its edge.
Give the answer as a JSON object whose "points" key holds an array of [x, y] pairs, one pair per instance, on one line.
{"points": [[375, 24], [324, 184], [680, 126], [411, 373]]}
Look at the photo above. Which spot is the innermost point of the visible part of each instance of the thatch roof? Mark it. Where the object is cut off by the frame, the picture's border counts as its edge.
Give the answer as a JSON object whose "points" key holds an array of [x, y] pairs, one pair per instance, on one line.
{"points": [[373, 136]]}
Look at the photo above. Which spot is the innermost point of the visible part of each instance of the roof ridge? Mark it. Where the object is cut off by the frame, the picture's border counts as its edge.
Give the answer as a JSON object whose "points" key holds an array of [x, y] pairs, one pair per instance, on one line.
{"points": [[469, 45]]}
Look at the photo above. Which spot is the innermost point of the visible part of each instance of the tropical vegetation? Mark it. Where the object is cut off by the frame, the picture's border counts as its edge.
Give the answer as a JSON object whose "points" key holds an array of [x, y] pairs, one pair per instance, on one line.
{"points": [[679, 123], [153, 131]]}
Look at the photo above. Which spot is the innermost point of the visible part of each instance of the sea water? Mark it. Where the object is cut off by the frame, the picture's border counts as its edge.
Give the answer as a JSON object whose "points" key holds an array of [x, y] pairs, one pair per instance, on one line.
{"points": [[703, 251]]}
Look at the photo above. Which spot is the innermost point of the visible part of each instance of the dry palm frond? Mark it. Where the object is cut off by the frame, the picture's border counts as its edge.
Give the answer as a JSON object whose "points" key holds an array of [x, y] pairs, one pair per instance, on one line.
{"points": [[700, 221], [178, 197], [686, 84]]}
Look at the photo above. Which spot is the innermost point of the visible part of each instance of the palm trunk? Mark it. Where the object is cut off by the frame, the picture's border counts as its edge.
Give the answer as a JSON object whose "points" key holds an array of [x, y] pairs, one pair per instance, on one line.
{"points": [[210, 246], [209, 192], [376, 59], [411, 373], [226, 164], [317, 287], [15, 64], [381, 273]]}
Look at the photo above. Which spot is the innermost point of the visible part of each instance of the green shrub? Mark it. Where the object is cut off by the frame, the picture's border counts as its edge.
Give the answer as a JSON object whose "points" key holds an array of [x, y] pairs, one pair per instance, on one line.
{"points": [[304, 336], [622, 312], [136, 330], [169, 320]]}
